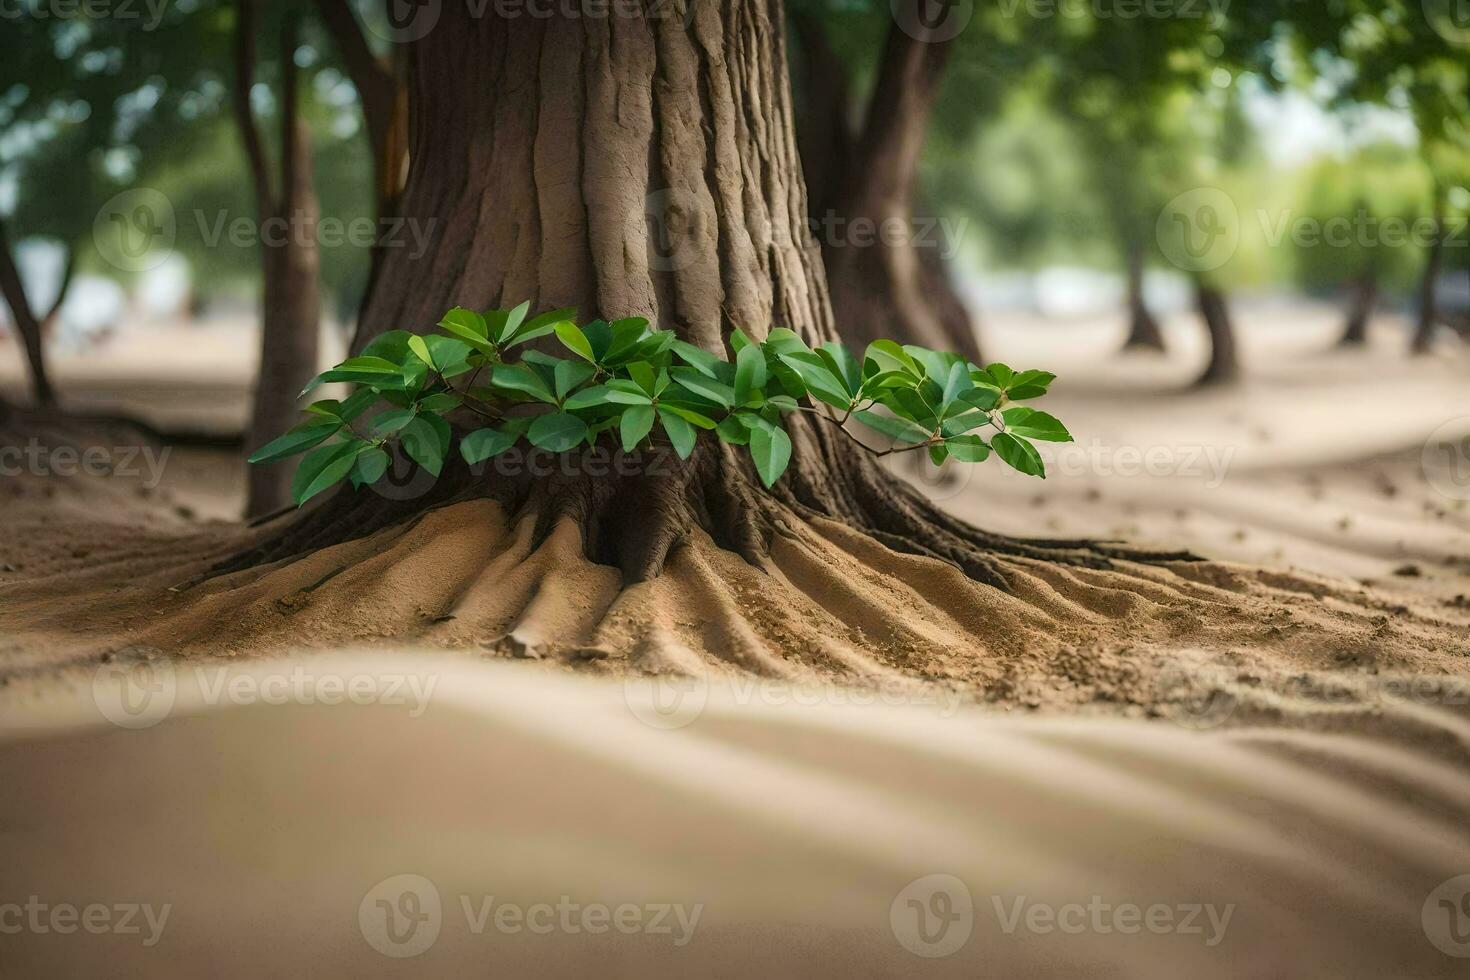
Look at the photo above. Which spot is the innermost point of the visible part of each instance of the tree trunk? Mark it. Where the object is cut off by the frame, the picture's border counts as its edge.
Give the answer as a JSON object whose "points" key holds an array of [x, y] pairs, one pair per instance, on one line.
{"points": [[885, 267], [642, 168], [1223, 366], [290, 269], [26, 323], [1143, 330], [1364, 301], [1428, 285]]}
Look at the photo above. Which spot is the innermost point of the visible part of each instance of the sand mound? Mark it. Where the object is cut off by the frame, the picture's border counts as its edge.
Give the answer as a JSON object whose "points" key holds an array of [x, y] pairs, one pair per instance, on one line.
{"points": [[741, 832]]}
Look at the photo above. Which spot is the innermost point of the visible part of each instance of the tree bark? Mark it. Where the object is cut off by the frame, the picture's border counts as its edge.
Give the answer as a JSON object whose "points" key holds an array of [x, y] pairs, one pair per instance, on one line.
{"points": [[290, 267], [1428, 285], [1223, 366], [26, 323], [1143, 329], [885, 268], [639, 167], [1364, 302]]}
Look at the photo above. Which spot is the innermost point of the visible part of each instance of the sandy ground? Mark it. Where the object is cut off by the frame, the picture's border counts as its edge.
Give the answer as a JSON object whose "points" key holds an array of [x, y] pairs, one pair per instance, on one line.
{"points": [[1284, 729]]}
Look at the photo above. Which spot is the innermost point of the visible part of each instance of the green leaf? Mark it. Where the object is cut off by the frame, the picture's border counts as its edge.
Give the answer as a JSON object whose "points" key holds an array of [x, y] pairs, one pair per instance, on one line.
{"points": [[732, 429], [627, 333], [936, 365], [574, 340], [843, 365], [889, 356], [470, 327], [511, 327], [705, 386], [440, 402], [958, 424], [1019, 453], [698, 358], [541, 325], [298, 440], [783, 403], [357, 403], [819, 379], [557, 431], [770, 447], [421, 349], [328, 407], [622, 392], [642, 375], [681, 433], [426, 441], [981, 398], [783, 341], [1031, 424], [967, 449], [900, 430], [484, 443], [369, 466], [391, 421], [938, 454], [571, 375], [390, 345], [750, 372], [324, 467], [1000, 374], [689, 415], [739, 341], [518, 377], [449, 355], [956, 384], [636, 423]]}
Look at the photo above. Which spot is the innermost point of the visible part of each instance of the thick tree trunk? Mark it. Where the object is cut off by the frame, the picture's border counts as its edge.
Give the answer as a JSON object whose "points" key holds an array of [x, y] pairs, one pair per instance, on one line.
{"points": [[1364, 302], [1143, 329], [641, 167], [1429, 283], [26, 323], [885, 268], [1223, 366], [290, 269]]}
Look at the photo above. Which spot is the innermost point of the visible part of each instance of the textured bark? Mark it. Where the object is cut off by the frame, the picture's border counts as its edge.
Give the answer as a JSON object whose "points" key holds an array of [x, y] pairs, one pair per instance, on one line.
{"points": [[1223, 366], [899, 291], [290, 266], [1429, 282], [26, 322], [1364, 301], [636, 167], [382, 90], [1143, 329]]}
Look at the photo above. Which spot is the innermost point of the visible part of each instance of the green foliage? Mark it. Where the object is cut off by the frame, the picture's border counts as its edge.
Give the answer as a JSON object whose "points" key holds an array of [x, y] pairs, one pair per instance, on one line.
{"points": [[637, 384]]}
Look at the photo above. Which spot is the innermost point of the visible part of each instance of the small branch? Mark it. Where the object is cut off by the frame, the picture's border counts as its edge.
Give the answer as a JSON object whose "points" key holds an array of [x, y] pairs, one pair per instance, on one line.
{"points": [[68, 272]]}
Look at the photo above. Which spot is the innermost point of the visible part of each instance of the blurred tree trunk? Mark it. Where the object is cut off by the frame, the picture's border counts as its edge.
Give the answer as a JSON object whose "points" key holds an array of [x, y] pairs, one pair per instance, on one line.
{"points": [[1428, 285], [1223, 366], [1360, 312], [382, 87], [290, 263], [26, 322], [53, 315], [1143, 329], [885, 269]]}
